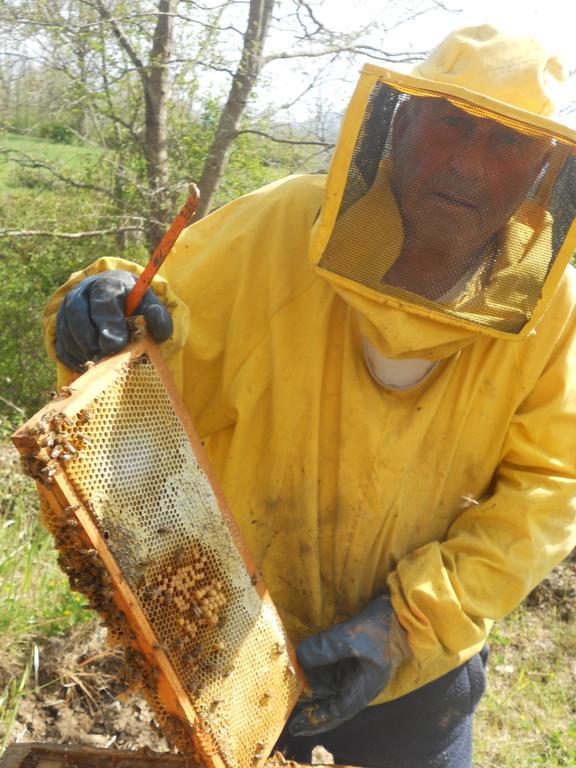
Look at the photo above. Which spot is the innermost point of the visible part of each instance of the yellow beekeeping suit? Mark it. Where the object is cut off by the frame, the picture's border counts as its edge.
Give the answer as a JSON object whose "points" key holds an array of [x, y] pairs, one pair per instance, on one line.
{"points": [[458, 495]]}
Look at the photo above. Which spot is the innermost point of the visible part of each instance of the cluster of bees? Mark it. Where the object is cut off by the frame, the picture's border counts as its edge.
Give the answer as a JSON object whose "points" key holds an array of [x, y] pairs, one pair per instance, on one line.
{"points": [[88, 575], [58, 439], [195, 598], [198, 598], [84, 568]]}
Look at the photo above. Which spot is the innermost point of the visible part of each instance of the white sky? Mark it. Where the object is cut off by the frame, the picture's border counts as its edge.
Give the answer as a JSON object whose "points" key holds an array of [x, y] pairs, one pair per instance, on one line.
{"points": [[551, 21]]}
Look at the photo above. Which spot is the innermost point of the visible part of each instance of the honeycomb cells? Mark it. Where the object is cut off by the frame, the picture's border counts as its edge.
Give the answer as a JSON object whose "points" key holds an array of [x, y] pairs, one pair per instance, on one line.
{"points": [[159, 517]]}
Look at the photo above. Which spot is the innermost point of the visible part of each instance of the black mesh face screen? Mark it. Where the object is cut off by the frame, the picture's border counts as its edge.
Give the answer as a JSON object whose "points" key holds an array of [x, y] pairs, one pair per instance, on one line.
{"points": [[453, 208]]}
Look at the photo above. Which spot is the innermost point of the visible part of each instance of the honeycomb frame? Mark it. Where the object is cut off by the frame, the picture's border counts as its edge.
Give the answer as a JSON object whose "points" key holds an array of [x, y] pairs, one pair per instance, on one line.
{"points": [[179, 592]]}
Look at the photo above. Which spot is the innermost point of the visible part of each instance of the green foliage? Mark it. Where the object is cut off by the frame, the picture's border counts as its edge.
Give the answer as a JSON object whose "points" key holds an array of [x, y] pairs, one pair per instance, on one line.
{"points": [[29, 272], [34, 593], [32, 268], [56, 131]]}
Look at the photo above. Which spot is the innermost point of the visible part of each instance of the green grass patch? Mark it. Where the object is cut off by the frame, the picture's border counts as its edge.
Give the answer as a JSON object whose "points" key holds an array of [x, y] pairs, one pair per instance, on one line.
{"points": [[527, 718], [35, 598], [17, 153]]}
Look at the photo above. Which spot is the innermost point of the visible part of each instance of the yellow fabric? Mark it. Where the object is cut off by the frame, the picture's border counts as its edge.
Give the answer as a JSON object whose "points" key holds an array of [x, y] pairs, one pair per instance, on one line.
{"points": [[512, 69], [458, 495]]}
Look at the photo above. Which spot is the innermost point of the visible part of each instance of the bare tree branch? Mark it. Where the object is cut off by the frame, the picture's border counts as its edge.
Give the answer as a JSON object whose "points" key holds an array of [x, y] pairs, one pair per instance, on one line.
{"points": [[10, 404], [278, 140], [361, 49], [69, 235], [121, 37], [243, 82]]}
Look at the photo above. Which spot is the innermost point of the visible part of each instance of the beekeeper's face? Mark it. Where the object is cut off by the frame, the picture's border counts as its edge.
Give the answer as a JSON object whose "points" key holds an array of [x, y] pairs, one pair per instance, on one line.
{"points": [[457, 178]]}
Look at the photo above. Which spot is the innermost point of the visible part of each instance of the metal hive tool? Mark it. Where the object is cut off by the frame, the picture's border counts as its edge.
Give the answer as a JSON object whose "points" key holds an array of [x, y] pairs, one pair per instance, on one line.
{"points": [[144, 532]]}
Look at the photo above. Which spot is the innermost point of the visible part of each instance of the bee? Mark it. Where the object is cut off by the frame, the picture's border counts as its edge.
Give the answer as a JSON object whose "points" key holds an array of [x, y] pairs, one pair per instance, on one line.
{"points": [[42, 456], [71, 509], [159, 647], [42, 425], [140, 580], [163, 531], [84, 415], [89, 553], [47, 440], [254, 579]]}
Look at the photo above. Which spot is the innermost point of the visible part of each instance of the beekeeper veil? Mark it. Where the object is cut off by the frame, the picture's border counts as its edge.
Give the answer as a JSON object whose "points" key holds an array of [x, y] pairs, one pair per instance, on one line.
{"points": [[451, 196]]}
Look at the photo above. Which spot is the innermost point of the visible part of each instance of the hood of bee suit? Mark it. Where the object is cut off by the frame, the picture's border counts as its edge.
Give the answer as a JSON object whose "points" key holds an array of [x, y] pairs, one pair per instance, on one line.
{"points": [[489, 75]]}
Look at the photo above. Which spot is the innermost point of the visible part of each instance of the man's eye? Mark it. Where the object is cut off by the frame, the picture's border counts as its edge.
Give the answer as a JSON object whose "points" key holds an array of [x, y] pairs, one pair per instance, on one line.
{"points": [[509, 139], [454, 121]]}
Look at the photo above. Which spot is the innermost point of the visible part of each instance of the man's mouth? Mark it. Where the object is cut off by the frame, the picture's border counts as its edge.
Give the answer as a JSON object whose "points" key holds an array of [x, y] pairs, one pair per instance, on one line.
{"points": [[456, 201]]}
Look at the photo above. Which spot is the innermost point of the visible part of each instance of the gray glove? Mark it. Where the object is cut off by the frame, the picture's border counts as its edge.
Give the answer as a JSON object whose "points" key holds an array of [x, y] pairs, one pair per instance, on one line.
{"points": [[91, 323], [348, 666]]}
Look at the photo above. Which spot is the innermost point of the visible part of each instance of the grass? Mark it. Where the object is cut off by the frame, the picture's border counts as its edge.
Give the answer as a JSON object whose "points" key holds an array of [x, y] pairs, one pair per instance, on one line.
{"points": [[35, 601], [527, 718], [63, 156], [34, 594]]}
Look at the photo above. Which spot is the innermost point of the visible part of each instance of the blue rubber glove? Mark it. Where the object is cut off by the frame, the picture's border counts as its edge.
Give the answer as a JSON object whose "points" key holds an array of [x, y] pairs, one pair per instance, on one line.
{"points": [[348, 666], [91, 323]]}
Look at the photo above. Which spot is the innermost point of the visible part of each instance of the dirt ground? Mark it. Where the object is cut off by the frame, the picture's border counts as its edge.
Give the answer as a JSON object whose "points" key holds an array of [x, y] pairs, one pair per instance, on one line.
{"points": [[76, 698]]}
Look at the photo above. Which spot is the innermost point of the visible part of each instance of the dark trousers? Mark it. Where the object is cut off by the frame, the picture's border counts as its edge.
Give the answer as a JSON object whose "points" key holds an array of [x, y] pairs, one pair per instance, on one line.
{"points": [[428, 728]]}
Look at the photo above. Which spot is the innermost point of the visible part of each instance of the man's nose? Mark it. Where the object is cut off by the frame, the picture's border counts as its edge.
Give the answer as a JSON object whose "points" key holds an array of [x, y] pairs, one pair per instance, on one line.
{"points": [[470, 158]]}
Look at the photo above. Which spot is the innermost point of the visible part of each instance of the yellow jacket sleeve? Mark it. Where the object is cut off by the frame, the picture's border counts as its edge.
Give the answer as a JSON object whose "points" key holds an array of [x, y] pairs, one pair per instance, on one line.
{"points": [[446, 593]]}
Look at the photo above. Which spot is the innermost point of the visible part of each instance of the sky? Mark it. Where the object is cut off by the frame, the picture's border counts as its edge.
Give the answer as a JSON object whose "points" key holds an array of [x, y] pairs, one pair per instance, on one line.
{"points": [[550, 20], [430, 21]]}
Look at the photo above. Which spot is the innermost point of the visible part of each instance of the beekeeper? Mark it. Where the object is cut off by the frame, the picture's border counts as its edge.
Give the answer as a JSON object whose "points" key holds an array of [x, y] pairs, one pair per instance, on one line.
{"points": [[382, 366]]}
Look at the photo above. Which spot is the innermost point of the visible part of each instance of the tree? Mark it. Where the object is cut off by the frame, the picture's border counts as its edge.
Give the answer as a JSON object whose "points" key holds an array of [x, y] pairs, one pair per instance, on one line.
{"points": [[116, 72], [243, 82]]}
